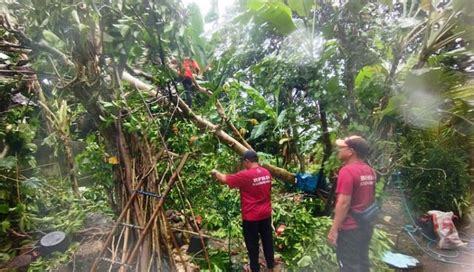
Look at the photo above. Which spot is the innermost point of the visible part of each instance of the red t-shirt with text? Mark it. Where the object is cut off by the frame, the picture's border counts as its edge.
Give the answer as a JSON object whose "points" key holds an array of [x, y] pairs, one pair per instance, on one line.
{"points": [[255, 187], [357, 180]]}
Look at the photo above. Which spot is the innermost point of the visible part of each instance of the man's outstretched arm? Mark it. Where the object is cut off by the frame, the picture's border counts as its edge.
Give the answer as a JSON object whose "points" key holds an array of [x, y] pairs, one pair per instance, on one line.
{"points": [[222, 178]]}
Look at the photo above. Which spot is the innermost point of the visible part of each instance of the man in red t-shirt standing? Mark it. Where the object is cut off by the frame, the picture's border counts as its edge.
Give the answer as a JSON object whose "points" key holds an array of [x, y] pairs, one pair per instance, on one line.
{"points": [[255, 185], [355, 192]]}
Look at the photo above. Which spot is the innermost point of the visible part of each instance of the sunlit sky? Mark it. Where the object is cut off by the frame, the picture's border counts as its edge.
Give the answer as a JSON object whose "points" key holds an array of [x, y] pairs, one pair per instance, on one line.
{"points": [[205, 5]]}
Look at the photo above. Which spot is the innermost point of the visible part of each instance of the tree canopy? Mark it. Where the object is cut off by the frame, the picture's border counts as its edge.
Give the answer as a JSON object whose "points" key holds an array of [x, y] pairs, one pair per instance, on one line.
{"points": [[285, 78]]}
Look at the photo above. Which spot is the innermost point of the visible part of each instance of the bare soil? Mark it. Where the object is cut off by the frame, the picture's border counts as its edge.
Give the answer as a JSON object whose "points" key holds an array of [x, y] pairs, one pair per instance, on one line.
{"points": [[395, 217]]}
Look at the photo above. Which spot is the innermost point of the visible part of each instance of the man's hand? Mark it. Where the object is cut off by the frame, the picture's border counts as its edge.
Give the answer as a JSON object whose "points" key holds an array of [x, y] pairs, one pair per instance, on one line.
{"points": [[340, 212], [332, 236], [219, 176]]}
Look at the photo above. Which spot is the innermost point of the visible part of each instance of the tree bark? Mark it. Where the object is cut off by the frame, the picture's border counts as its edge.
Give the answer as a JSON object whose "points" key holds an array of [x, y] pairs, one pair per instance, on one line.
{"points": [[205, 124]]}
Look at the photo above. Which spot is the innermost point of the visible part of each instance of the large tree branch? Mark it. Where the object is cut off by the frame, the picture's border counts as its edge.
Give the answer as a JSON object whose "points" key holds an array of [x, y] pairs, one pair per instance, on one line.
{"points": [[224, 117], [203, 123], [25, 41]]}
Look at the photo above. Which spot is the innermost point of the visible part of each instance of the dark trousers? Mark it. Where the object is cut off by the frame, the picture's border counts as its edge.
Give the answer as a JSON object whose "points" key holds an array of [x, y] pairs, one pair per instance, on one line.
{"points": [[353, 249], [188, 90], [252, 230]]}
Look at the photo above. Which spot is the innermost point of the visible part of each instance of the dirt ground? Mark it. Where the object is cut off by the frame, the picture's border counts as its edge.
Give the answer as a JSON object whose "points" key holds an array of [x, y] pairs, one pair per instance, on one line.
{"points": [[395, 216]]}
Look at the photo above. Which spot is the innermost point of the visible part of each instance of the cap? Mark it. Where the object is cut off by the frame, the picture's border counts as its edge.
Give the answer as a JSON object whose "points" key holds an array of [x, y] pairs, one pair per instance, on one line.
{"points": [[250, 155], [357, 143]]}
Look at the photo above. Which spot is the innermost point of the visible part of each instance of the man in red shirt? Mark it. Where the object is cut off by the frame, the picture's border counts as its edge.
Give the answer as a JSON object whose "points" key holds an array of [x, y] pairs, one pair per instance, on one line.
{"points": [[355, 192], [186, 72], [255, 185]]}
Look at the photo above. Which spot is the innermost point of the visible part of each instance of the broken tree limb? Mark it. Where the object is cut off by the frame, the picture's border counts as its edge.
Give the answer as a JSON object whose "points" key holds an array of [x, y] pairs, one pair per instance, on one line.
{"points": [[203, 123], [224, 117], [147, 88]]}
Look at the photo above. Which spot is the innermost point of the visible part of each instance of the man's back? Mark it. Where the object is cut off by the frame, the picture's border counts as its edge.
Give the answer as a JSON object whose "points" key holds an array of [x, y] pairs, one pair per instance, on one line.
{"points": [[255, 192]]}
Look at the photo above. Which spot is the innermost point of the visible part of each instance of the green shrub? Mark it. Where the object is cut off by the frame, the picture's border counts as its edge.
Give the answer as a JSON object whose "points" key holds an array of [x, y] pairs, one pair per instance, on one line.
{"points": [[303, 244], [435, 176]]}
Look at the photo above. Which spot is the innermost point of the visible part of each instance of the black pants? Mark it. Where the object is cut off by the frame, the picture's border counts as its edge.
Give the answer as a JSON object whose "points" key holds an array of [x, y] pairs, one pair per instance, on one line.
{"points": [[353, 249], [252, 230], [188, 90]]}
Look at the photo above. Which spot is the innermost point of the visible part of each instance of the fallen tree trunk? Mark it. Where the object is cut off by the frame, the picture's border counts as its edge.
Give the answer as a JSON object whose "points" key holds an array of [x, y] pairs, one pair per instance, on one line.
{"points": [[203, 123]]}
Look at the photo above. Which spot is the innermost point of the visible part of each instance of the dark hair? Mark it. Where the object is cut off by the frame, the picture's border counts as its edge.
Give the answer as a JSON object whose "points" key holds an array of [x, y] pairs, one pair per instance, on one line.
{"points": [[249, 155], [360, 146]]}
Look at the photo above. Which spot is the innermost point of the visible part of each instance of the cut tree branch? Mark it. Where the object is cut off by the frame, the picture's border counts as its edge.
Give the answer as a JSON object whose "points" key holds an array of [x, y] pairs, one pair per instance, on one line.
{"points": [[224, 117], [203, 123]]}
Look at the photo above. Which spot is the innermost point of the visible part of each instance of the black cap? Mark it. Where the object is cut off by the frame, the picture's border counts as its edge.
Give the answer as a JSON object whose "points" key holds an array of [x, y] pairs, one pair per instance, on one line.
{"points": [[249, 155], [357, 143], [360, 145]]}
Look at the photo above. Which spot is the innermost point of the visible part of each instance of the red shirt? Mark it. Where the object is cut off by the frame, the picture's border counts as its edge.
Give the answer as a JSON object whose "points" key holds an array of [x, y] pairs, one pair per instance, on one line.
{"points": [[255, 187], [189, 67], [357, 180]]}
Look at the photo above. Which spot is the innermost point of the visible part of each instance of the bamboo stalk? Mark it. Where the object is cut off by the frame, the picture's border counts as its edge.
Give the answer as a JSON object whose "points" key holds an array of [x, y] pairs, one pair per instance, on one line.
{"points": [[114, 228], [171, 183], [112, 260], [173, 240], [206, 255], [125, 239], [164, 234], [197, 233], [127, 167], [157, 245]]}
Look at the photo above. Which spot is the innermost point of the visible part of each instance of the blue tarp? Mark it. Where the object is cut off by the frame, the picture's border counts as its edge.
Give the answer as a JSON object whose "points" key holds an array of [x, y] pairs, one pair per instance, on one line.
{"points": [[307, 182]]}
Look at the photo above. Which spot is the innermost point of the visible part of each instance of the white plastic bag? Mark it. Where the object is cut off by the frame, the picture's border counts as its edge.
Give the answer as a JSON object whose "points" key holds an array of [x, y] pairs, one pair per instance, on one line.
{"points": [[445, 230]]}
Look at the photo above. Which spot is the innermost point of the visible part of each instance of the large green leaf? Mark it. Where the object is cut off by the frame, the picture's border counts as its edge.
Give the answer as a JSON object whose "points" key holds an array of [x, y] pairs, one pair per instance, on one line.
{"points": [[4, 226], [369, 74], [51, 38], [394, 106], [259, 129], [305, 261], [259, 100], [4, 209], [8, 163], [281, 117], [274, 12], [196, 21], [302, 7], [256, 4]]}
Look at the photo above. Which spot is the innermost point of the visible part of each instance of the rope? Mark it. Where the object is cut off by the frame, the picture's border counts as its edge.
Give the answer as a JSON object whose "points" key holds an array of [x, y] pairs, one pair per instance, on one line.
{"points": [[430, 247], [430, 253], [412, 229]]}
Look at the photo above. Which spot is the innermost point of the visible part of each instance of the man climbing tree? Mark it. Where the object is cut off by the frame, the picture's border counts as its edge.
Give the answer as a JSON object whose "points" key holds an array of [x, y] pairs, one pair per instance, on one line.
{"points": [[186, 72], [255, 184], [355, 192]]}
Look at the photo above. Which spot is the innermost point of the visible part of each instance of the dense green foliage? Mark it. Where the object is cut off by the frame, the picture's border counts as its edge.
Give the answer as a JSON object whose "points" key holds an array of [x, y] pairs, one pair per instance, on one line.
{"points": [[291, 76], [435, 173]]}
